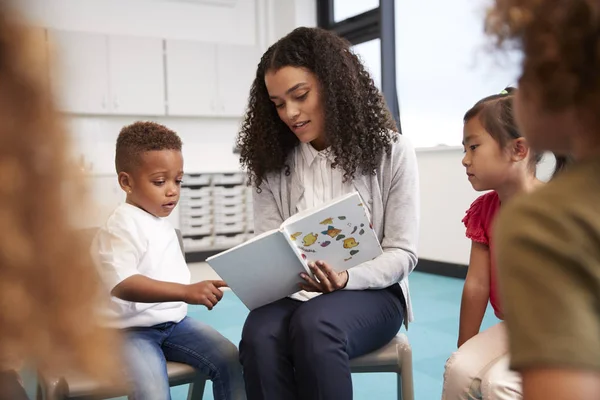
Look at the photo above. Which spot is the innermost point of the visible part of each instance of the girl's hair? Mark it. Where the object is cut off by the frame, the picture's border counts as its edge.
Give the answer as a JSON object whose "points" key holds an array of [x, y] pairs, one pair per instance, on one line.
{"points": [[49, 288], [560, 41], [562, 163], [358, 124], [495, 113]]}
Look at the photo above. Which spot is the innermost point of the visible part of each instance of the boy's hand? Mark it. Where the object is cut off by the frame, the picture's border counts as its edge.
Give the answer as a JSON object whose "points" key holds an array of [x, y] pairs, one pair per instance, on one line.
{"points": [[206, 293]]}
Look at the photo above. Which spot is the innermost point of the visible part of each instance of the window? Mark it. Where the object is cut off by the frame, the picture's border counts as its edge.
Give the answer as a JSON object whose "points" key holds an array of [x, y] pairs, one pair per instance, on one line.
{"points": [[344, 9], [369, 26], [445, 68], [370, 53]]}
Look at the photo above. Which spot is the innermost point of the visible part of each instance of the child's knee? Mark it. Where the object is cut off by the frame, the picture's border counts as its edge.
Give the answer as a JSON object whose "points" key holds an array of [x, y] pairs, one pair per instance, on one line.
{"points": [[228, 354], [459, 377], [457, 368], [497, 386]]}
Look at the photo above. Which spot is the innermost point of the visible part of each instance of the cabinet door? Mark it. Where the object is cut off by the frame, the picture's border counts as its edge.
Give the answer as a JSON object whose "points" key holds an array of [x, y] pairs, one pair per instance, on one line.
{"points": [[79, 71], [136, 76], [191, 78], [236, 69]]}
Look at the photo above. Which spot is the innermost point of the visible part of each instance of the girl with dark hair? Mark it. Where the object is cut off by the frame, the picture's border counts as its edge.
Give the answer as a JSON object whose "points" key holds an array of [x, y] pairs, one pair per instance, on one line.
{"points": [[499, 160]]}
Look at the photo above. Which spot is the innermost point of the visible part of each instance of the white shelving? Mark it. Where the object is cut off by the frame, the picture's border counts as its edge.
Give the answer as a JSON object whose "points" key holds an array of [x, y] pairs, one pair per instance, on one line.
{"points": [[215, 211]]}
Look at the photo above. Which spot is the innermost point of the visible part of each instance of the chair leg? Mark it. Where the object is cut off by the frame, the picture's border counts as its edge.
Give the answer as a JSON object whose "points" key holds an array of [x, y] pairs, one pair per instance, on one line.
{"points": [[49, 389], [405, 380], [196, 391]]}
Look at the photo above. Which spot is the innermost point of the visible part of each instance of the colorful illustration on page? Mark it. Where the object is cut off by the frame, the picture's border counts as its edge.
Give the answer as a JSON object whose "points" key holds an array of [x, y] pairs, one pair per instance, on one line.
{"points": [[327, 221], [295, 236], [310, 239], [331, 231], [350, 243]]}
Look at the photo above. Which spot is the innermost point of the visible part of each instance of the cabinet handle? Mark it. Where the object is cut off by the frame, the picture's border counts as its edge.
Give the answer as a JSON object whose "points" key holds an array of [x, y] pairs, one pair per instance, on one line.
{"points": [[104, 101], [116, 104]]}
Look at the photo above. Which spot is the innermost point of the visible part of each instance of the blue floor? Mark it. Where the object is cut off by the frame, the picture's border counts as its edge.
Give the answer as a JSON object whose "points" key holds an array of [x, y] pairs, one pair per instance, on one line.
{"points": [[436, 302]]}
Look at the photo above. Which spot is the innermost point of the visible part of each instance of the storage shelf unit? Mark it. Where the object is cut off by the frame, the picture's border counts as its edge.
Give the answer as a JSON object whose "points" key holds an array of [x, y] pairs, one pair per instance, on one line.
{"points": [[215, 211]]}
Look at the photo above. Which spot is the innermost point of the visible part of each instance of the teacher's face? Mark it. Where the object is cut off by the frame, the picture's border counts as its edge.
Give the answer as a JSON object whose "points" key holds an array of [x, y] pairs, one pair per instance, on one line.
{"points": [[295, 92]]}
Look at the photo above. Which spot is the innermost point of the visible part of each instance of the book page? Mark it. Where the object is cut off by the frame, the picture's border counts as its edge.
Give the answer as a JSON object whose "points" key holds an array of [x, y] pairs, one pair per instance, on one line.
{"points": [[253, 239], [306, 213], [339, 233], [260, 271]]}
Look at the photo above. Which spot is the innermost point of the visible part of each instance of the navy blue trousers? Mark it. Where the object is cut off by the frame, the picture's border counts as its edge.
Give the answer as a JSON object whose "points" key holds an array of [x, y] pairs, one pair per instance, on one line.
{"points": [[302, 350]]}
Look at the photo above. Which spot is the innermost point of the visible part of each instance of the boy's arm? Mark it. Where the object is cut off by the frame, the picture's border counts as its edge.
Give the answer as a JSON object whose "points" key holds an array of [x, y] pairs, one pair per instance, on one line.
{"points": [[476, 293], [141, 289], [118, 251]]}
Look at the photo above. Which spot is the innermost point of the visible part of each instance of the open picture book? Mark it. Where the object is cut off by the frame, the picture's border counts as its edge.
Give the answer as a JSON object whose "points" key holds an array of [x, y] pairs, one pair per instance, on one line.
{"points": [[268, 267]]}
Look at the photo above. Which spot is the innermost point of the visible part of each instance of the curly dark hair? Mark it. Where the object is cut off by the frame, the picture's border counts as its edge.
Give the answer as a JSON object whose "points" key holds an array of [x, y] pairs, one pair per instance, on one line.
{"points": [[560, 41], [358, 124], [139, 138]]}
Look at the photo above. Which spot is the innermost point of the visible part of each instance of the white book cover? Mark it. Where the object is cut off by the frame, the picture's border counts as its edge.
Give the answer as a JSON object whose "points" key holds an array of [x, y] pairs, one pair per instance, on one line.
{"points": [[267, 268]]}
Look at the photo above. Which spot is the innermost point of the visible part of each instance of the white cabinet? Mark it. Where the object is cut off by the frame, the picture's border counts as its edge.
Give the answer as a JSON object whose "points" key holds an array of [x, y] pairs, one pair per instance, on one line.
{"points": [[205, 79], [100, 74], [191, 78], [136, 75], [236, 69], [79, 73]]}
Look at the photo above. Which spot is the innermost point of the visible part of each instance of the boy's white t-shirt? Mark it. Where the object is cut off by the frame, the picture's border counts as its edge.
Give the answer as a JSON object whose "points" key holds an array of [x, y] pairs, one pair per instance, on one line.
{"points": [[135, 242]]}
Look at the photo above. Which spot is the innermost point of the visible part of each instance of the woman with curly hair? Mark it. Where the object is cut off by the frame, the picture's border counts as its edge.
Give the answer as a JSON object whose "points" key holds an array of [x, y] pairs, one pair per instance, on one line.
{"points": [[548, 242], [317, 128]]}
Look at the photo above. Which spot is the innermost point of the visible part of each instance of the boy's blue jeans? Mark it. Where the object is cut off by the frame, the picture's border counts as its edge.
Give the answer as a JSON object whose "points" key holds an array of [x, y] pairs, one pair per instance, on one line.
{"points": [[190, 342]]}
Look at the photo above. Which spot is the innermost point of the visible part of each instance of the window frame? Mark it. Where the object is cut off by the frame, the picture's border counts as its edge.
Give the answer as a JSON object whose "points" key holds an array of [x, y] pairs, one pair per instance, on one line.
{"points": [[378, 23]]}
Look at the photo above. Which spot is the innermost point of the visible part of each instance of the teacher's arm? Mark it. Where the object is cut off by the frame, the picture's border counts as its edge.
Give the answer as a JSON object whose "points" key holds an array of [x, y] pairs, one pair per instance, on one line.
{"points": [[401, 225], [266, 213]]}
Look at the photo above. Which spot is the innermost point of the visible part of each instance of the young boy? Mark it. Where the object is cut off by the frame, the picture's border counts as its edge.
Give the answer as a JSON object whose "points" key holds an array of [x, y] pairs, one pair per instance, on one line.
{"points": [[142, 265]]}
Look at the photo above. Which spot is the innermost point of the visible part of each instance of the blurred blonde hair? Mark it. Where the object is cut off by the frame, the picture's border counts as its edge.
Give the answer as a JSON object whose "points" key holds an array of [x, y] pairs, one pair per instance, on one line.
{"points": [[48, 285]]}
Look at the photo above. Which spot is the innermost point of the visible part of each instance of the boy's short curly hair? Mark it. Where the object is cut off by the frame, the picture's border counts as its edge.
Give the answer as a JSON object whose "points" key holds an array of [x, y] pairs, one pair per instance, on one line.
{"points": [[560, 40], [139, 138]]}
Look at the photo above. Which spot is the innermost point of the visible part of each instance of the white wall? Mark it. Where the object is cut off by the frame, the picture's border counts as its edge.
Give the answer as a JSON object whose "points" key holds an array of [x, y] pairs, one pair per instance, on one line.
{"points": [[444, 64], [445, 196], [208, 142], [205, 20]]}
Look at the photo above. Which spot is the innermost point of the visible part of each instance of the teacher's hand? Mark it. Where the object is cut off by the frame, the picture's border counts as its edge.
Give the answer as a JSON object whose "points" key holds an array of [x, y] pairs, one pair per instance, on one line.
{"points": [[327, 280]]}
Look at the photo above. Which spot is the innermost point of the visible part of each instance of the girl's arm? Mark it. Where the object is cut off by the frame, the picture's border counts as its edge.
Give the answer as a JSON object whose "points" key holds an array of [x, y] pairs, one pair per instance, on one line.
{"points": [[476, 292]]}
